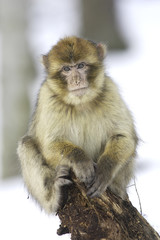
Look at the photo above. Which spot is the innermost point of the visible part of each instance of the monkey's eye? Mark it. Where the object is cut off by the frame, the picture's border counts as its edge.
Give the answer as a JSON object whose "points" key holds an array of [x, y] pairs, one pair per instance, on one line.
{"points": [[81, 65], [66, 68]]}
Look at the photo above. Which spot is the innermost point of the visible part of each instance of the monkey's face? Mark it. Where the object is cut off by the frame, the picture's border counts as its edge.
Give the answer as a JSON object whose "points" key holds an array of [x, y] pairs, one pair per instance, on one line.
{"points": [[76, 77], [75, 69]]}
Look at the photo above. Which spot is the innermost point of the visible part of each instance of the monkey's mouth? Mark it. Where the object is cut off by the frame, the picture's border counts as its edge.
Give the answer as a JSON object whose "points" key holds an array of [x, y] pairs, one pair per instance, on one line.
{"points": [[79, 91]]}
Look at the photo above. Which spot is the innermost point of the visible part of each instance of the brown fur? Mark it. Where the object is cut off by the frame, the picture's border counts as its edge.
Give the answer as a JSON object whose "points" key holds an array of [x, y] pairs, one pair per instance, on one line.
{"points": [[70, 131]]}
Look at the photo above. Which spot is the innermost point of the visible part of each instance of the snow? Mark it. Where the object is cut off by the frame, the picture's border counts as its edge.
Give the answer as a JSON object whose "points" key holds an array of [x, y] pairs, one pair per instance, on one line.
{"points": [[20, 218], [136, 71]]}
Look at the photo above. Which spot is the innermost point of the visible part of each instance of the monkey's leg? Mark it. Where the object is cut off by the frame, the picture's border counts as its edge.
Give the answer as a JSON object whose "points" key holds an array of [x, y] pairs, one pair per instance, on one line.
{"points": [[119, 151], [43, 183], [66, 153]]}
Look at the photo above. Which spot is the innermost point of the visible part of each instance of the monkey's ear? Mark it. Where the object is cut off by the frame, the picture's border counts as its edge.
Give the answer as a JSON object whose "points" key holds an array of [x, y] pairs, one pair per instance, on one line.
{"points": [[102, 51], [45, 61]]}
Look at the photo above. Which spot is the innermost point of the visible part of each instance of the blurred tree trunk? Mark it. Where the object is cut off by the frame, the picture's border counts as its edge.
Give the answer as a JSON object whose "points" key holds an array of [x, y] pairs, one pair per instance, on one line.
{"points": [[16, 71], [105, 218], [99, 23]]}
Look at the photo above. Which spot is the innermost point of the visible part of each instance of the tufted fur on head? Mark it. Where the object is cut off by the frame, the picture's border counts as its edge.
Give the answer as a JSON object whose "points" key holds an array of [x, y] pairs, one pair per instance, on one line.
{"points": [[73, 49], [69, 51]]}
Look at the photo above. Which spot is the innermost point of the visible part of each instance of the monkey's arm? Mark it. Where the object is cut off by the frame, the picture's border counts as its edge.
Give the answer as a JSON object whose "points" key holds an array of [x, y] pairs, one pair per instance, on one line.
{"points": [[66, 153], [43, 183], [118, 155]]}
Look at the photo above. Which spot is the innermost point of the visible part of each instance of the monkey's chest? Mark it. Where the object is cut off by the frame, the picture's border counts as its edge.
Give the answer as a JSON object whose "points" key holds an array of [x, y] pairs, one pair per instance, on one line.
{"points": [[90, 135]]}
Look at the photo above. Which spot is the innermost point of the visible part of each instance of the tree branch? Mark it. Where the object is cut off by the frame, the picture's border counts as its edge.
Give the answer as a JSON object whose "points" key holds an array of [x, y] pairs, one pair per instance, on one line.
{"points": [[108, 217]]}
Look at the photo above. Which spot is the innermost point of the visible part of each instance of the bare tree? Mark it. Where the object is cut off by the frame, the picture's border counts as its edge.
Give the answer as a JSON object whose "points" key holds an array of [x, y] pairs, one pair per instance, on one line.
{"points": [[99, 22], [17, 70]]}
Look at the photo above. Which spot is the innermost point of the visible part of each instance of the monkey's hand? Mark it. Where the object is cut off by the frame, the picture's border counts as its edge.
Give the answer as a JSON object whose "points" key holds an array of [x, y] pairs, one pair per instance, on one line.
{"points": [[62, 175], [54, 183], [74, 157], [84, 170], [98, 186], [60, 178], [102, 179]]}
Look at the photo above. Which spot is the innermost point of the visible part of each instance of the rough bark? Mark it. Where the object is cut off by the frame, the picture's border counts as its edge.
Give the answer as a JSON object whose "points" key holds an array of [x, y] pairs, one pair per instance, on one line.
{"points": [[105, 218]]}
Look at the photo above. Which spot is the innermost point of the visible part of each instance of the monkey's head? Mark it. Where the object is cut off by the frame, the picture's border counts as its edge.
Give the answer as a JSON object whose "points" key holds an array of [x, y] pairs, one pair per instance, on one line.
{"points": [[75, 69]]}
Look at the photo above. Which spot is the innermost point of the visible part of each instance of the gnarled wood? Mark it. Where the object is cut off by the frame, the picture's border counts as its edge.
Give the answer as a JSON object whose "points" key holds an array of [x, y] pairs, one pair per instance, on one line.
{"points": [[105, 218]]}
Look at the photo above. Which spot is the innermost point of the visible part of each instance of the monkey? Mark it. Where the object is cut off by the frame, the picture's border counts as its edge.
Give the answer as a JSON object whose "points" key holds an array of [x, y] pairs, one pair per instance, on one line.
{"points": [[80, 123]]}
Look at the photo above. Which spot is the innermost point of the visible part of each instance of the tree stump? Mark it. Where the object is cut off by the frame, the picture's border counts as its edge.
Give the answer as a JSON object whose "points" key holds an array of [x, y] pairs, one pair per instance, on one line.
{"points": [[105, 218]]}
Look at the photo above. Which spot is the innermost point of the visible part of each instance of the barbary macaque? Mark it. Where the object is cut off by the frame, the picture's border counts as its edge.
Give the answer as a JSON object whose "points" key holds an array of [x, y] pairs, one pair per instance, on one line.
{"points": [[80, 123]]}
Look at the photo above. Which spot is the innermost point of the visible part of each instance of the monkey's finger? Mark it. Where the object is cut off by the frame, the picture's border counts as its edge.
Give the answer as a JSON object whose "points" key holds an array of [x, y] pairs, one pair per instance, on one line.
{"points": [[95, 166], [95, 194], [86, 179], [85, 175], [62, 170], [63, 181], [90, 181], [89, 184], [66, 177], [101, 189], [92, 191]]}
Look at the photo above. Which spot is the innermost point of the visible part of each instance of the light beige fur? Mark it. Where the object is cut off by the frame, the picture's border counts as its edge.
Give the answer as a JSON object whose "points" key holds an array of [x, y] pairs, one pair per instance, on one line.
{"points": [[69, 131]]}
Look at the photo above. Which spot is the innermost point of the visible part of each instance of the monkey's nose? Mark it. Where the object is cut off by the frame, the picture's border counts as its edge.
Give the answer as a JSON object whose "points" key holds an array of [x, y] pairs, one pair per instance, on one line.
{"points": [[76, 79]]}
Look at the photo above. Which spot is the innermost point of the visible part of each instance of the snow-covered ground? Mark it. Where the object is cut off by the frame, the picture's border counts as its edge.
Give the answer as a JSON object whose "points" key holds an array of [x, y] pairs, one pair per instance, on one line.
{"points": [[137, 73]]}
